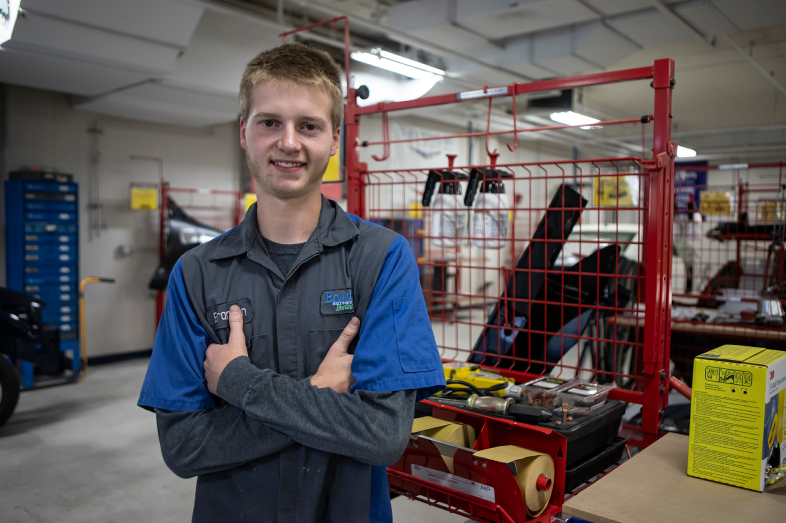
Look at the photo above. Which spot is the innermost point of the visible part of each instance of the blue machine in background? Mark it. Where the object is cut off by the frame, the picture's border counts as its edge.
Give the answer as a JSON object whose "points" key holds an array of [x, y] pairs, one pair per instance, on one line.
{"points": [[42, 254]]}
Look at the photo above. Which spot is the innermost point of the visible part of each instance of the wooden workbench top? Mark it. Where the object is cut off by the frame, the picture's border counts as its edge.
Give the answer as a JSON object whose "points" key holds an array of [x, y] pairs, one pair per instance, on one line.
{"points": [[654, 487]]}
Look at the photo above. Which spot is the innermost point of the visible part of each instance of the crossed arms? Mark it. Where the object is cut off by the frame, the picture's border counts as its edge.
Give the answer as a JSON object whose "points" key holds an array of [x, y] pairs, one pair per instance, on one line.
{"points": [[267, 412]]}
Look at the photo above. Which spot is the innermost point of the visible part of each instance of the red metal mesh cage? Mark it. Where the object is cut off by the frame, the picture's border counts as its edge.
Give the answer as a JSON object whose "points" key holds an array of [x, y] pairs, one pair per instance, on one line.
{"points": [[557, 289], [729, 255], [572, 280]]}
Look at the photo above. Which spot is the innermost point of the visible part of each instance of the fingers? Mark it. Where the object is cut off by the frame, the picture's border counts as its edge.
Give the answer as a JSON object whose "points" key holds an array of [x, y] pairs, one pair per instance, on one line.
{"points": [[236, 326]]}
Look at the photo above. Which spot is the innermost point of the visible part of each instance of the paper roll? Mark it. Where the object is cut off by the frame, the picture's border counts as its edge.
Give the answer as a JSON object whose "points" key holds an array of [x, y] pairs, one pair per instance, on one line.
{"points": [[454, 433], [535, 474]]}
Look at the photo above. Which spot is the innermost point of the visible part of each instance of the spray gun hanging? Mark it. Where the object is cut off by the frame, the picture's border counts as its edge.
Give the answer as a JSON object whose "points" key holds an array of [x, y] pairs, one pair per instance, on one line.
{"points": [[490, 224], [449, 222]]}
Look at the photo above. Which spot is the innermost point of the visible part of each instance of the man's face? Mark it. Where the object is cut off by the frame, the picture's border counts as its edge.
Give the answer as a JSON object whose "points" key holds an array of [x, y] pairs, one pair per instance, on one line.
{"points": [[288, 138]]}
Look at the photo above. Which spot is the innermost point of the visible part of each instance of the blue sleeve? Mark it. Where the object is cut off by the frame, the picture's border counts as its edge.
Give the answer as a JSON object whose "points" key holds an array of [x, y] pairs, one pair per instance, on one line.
{"points": [[175, 378], [396, 349]]}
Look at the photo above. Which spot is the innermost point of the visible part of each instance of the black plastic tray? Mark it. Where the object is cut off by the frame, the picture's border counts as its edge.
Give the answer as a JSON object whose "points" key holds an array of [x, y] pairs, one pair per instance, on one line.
{"points": [[595, 464]]}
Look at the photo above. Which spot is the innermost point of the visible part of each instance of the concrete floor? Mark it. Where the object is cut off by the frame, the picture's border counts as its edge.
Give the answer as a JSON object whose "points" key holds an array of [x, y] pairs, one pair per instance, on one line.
{"points": [[86, 452]]}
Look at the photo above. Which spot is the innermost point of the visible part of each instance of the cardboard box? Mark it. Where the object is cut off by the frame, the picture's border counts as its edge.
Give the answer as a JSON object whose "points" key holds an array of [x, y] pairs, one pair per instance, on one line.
{"points": [[737, 415]]}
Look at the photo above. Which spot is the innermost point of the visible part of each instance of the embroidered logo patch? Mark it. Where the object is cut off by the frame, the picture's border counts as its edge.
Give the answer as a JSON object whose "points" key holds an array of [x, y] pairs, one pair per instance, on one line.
{"points": [[337, 302], [218, 315]]}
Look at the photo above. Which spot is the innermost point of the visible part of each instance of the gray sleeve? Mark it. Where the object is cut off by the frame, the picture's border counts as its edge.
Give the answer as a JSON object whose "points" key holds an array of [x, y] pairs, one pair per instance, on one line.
{"points": [[200, 442], [372, 427]]}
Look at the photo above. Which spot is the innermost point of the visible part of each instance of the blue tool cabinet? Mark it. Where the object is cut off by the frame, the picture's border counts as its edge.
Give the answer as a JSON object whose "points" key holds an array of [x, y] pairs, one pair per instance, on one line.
{"points": [[42, 256]]}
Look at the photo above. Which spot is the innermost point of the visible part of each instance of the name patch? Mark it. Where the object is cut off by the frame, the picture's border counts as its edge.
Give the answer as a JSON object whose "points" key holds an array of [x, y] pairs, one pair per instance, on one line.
{"points": [[337, 302], [218, 315]]}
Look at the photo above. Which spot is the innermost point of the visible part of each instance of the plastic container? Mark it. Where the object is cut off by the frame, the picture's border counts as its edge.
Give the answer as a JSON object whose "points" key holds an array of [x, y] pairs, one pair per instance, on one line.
{"points": [[490, 220], [449, 217], [543, 391], [584, 396]]}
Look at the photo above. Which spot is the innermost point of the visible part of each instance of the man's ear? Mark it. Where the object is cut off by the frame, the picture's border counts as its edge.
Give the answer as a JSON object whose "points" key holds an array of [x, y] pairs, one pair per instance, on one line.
{"points": [[242, 133], [336, 141]]}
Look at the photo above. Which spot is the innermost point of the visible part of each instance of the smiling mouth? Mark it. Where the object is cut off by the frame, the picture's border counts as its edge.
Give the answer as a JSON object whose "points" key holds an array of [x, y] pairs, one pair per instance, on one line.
{"points": [[287, 165]]}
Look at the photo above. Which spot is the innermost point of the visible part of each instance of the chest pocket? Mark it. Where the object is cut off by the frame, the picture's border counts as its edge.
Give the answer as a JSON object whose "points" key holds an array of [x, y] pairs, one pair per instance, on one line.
{"points": [[260, 351], [319, 343]]}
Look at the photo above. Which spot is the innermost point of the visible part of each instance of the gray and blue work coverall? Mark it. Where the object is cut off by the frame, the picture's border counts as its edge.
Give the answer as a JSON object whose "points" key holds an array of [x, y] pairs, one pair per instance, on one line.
{"points": [[270, 446]]}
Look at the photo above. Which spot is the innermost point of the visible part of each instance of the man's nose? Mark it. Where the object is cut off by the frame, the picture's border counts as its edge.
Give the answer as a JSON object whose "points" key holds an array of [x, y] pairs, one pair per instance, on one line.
{"points": [[289, 141]]}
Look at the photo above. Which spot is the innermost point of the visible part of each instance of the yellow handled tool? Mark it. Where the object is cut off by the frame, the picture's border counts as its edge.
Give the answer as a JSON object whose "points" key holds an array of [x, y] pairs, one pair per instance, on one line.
{"points": [[82, 331]]}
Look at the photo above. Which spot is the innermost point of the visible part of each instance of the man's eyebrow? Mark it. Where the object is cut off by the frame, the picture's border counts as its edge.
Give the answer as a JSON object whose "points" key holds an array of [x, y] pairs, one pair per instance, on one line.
{"points": [[278, 116]]}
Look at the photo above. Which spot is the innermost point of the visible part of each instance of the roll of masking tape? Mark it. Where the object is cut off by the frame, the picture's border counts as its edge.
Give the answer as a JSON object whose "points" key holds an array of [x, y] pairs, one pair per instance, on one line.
{"points": [[534, 474]]}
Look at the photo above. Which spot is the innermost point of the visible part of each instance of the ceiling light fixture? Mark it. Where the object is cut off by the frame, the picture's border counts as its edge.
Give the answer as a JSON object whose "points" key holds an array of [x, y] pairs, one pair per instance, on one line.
{"points": [[684, 152], [8, 13], [571, 118], [397, 64]]}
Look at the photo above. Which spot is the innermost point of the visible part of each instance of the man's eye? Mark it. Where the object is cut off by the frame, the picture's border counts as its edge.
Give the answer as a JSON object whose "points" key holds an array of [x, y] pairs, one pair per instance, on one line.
{"points": [[311, 127], [268, 123]]}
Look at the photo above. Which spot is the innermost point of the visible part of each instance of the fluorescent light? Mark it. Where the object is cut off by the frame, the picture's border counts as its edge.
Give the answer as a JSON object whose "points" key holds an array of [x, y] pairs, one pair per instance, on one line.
{"points": [[8, 19], [684, 152], [397, 64], [571, 118]]}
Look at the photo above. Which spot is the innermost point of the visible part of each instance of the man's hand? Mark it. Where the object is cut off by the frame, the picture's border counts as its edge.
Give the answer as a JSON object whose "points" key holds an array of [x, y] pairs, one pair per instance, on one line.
{"points": [[218, 356], [335, 371]]}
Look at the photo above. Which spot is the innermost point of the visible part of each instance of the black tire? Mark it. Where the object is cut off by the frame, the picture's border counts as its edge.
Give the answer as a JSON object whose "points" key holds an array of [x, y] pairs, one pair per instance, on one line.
{"points": [[9, 389]]}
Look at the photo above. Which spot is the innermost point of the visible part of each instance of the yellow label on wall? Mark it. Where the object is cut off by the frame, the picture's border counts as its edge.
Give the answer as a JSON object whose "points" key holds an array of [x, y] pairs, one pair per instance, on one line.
{"points": [[333, 173], [716, 202], [248, 200], [771, 211], [144, 198], [611, 191]]}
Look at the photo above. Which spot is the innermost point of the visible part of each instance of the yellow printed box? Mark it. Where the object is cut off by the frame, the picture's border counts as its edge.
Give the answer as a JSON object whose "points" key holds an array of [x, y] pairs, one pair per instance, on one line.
{"points": [[737, 412]]}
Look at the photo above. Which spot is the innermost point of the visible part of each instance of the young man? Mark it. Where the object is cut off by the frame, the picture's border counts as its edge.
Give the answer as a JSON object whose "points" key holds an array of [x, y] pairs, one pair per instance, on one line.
{"points": [[292, 348]]}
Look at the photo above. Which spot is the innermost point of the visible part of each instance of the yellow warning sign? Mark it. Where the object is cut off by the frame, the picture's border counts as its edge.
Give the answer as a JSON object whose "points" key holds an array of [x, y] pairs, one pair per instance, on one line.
{"points": [[771, 211], [716, 202], [144, 198], [612, 191], [333, 172]]}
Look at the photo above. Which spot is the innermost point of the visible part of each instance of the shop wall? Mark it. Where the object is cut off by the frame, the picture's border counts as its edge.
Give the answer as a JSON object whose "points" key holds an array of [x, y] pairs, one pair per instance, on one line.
{"points": [[44, 130]]}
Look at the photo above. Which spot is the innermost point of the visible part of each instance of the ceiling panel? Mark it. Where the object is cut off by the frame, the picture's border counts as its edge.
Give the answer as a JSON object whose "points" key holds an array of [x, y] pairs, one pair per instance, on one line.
{"points": [[62, 38], [456, 39], [221, 47], [417, 14], [601, 46], [706, 19], [501, 18], [615, 7], [166, 22], [61, 74], [165, 103], [651, 29], [752, 14]]}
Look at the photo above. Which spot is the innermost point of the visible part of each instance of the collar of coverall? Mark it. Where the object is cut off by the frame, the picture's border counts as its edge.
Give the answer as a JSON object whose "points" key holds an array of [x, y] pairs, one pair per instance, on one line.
{"points": [[334, 228]]}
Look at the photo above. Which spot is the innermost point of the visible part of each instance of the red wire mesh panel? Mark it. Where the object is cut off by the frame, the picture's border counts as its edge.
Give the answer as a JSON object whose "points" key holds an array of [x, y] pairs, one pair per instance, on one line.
{"points": [[729, 256], [543, 288], [543, 267]]}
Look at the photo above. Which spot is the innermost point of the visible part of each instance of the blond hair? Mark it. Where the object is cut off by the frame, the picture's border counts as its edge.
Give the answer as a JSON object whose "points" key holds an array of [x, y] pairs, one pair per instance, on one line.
{"points": [[296, 64]]}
